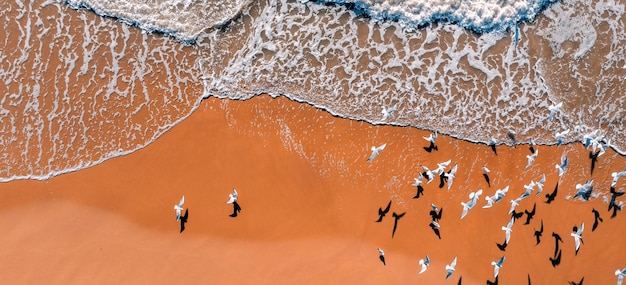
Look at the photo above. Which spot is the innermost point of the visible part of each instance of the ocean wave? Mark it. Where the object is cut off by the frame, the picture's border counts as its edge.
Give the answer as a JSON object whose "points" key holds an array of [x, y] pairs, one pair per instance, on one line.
{"points": [[480, 16]]}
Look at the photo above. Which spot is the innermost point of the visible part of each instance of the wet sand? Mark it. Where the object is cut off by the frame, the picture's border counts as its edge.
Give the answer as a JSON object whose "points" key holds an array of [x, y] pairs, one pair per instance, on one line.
{"points": [[309, 201]]}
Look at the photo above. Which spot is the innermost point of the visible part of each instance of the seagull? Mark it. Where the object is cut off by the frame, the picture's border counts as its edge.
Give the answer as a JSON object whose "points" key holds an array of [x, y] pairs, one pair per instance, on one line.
{"points": [[382, 213], [514, 203], [497, 197], [395, 222], [376, 151], [441, 167], [183, 220], [451, 174], [531, 145], [429, 174], [554, 108], [620, 275], [562, 167], [560, 137], [435, 213], [431, 139], [596, 218], [232, 197], [508, 229], [584, 191], [474, 196], [486, 175], [578, 239], [179, 208], [529, 189], [493, 143], [418, 184], [616, 176], [604, 147], [552, 195], [387, 112], [531, 158], [497, 265], [511, 134], [435, 227], [424, 263], [540, 184], [381, 256], [588, 139], [450, 268], [538, 233]]}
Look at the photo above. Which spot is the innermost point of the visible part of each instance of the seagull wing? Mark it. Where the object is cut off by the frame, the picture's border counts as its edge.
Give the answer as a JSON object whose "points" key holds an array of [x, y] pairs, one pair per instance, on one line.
{"points": [[182, 201]]}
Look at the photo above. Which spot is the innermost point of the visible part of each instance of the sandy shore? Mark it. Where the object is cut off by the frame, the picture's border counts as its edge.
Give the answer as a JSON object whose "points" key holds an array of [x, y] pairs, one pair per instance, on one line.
{"points": [[309, 204]]}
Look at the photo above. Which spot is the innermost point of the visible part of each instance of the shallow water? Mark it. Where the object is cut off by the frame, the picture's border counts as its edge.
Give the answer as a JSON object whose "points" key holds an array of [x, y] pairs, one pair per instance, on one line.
{"points": [[82, 88]]}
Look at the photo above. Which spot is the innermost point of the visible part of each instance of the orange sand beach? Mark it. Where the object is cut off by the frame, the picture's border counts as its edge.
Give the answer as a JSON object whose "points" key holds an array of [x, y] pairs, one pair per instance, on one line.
{"points": [[309, 201]]}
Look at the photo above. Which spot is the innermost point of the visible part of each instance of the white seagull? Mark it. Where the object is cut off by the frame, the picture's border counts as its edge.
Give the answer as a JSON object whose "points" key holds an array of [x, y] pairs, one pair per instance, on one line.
{"points": [[450, 175], [508, 229], [578, 236], [560, 137], [450, 268], [424, 263], [418, 180], [500, 193], [232, 197], [514, 203], [179, 208], [620, 275], [474, 196], [563, 166], [432, 137], [588, 139], [387, 112], [496, 266], [486, 170], [616, 176], [376, 151], [429, 174], [529, 189], [441, 167], [540, 184], [554, 108], [531, 158]]}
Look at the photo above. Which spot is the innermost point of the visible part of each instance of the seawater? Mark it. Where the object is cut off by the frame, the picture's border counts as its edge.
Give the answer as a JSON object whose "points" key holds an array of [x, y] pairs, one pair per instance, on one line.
{"points": [[470, 69]]}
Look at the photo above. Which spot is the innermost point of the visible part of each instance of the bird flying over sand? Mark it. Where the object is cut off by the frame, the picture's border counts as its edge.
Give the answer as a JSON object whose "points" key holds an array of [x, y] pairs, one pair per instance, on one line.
{"points": [[497, 265], [451, 174], [620, 275], [584, 191], [381, 256], [531, 158], [179, 208], [376, 151], [514, 204], [232, 197], [578, 239], [560, 137], [450, 268], [497, 197], [474, 196], [508, 229], [540, 184], [431, 139], [563, 166], [424, 263], [616, 176], [387, 112]]}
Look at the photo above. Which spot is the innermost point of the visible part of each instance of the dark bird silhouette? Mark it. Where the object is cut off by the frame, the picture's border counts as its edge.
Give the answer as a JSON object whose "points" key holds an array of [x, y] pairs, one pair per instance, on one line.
{"points": [[597, 218], [538, 233], [420, 192], [487, 179], [579, 283], [594, 159], [614, 195], [530, 215], [495, 282], [493, 148], [615, 209], [183, 220], [435, 227], [556, 260], [442, 180], [552, 196], [529, 279], [436, 216], [516, 215], [236, 209], [557, 239], [502, 246], [431, 147], [382, 213], [511, 135], [532, 149], [395, 222], [460, 279]]}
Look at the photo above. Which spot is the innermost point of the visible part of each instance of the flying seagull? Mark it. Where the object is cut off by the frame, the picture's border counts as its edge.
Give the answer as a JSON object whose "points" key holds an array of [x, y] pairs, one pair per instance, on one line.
{"points": [[560, 137], [497, 265], [508, 229], [540, 184], [450, 175], [435, 227], [424, 263], [450, 268], [381, 256], [435, 213], [431, 139], [497, 197], [179, 208], [563, 166], [486, 172], [382, 213], [376, 151], [387, 112], [620, 275], [616, 176], [418, 184], [554, 108], [531, 158], [232, 197], [577, 235]]}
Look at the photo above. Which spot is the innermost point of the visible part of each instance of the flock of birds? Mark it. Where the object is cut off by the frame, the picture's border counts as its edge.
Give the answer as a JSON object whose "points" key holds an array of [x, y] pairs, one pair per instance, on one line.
{"points": [[232, 199], [596, 145]]}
